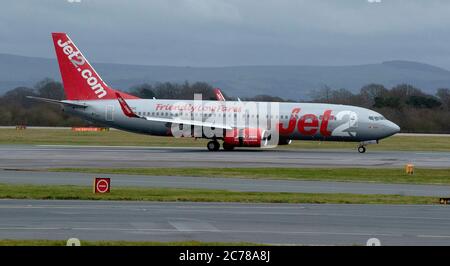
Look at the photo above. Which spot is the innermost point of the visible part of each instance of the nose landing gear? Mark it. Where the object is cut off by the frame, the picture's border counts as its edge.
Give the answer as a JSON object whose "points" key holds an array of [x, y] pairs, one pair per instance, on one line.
{"points": [[362, 145], [361, 149]]}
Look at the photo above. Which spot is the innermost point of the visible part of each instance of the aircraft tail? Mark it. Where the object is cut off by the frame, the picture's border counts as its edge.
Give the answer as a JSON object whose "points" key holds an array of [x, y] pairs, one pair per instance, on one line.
{"points": [[80, 80]]}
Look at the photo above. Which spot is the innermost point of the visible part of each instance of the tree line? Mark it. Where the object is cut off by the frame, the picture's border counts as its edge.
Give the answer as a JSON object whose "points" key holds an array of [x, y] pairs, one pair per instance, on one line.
{"points": [[408, 106]]}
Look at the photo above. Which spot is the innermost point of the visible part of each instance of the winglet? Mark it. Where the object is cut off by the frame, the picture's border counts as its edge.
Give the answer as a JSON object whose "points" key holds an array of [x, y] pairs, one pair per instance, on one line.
{"points": [[125, 107], [219, 95]]}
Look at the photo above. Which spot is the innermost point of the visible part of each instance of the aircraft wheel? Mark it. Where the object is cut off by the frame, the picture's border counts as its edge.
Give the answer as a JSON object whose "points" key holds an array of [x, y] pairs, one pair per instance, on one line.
{"points": [[213, 145], [361, 149], [228, 147]]}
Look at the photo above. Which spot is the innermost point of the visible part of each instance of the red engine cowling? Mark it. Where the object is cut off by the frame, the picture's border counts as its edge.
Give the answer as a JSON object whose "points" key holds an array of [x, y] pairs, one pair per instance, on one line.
{"points": [[246, 137]]}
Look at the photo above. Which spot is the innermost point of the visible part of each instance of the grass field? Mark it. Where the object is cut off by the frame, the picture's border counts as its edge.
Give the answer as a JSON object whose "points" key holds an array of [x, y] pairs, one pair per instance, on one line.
{"points": [[379, 175], [10, 242], [120, 138], [199, 195]]}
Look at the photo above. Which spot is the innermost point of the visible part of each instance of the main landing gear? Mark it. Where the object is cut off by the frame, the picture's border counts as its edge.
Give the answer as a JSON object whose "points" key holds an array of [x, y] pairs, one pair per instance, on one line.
{"points": [[213, 145], [361, 149]]}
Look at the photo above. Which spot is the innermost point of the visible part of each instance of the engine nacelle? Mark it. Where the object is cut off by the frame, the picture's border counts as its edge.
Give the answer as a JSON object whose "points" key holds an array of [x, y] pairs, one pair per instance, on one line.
{"points": [[246, 137], [284, 141]]}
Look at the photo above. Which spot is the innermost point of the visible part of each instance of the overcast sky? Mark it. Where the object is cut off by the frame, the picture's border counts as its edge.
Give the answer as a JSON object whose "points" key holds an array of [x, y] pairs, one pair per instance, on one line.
{"points": [[233, 32]]}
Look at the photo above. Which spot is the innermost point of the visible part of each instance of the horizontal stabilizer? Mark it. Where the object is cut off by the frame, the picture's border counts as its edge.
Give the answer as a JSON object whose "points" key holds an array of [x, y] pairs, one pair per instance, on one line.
{"points": [[77, 105]]}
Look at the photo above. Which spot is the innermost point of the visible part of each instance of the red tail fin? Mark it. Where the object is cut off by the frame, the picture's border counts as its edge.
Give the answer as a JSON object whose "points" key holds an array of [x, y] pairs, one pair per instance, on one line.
{"points": [[80, 80]]}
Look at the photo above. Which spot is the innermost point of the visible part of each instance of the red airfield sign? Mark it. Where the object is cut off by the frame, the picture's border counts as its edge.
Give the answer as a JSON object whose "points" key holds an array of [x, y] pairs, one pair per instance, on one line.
{"points": [[102, 185]]}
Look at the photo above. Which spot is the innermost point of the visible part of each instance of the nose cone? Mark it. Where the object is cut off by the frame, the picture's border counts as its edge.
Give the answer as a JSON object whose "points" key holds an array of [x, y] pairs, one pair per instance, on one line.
{"points": [[391, 128]]}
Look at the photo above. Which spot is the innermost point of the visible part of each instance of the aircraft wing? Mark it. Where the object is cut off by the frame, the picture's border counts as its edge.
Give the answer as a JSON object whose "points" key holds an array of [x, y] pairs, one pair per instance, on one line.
{"points": [[186, 122], [129, 112]]}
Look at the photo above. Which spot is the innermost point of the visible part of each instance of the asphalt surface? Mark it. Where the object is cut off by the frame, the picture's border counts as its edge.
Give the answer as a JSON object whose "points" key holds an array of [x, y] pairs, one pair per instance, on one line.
{"points": [[45, 156], [227, 222], [326, 224], [234, 184]]}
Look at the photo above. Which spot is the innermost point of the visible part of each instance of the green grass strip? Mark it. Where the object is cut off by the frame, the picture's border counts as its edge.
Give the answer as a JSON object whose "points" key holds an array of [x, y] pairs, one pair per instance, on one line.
{"points": [[121, 138], [8, 191], [378, 175]]}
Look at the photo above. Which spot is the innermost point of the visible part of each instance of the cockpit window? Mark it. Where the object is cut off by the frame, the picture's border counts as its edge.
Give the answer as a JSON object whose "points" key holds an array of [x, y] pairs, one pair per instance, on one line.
{"points": [[376, 118]]}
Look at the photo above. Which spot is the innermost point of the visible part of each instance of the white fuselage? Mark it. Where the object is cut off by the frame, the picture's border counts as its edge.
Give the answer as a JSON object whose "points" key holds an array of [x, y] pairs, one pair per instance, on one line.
{"points": [[299, 121]]}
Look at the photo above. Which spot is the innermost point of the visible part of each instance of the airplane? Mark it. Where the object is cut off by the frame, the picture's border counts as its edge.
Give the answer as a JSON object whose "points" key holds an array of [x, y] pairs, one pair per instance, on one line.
{"points": [[229, 122]]}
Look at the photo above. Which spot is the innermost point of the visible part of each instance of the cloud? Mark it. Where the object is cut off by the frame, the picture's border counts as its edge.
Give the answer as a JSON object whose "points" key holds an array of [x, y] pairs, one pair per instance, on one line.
{"points": [[233, 32]]}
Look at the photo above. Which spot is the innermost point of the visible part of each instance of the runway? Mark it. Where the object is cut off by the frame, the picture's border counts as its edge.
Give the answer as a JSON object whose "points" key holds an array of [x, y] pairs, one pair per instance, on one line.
{"points": [[47, 156], [308, 224], [259, 223], [233, 184]]}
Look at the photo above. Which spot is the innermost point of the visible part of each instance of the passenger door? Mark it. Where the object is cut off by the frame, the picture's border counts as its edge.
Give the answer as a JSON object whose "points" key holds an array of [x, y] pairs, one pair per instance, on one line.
{"points": [[109, 114]]}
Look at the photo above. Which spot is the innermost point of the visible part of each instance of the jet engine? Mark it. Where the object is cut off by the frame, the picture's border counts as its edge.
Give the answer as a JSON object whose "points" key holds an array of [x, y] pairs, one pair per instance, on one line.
{"points": [[246, 137]]}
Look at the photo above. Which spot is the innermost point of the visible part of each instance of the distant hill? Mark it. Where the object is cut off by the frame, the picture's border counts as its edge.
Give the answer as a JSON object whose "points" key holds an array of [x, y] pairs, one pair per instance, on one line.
{"points": [[294, 82]]}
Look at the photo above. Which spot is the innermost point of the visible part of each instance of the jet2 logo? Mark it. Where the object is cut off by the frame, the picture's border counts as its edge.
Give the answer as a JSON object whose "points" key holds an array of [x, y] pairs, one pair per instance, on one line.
{"points": [[310, 124], [348, 128], [78, 61]]}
